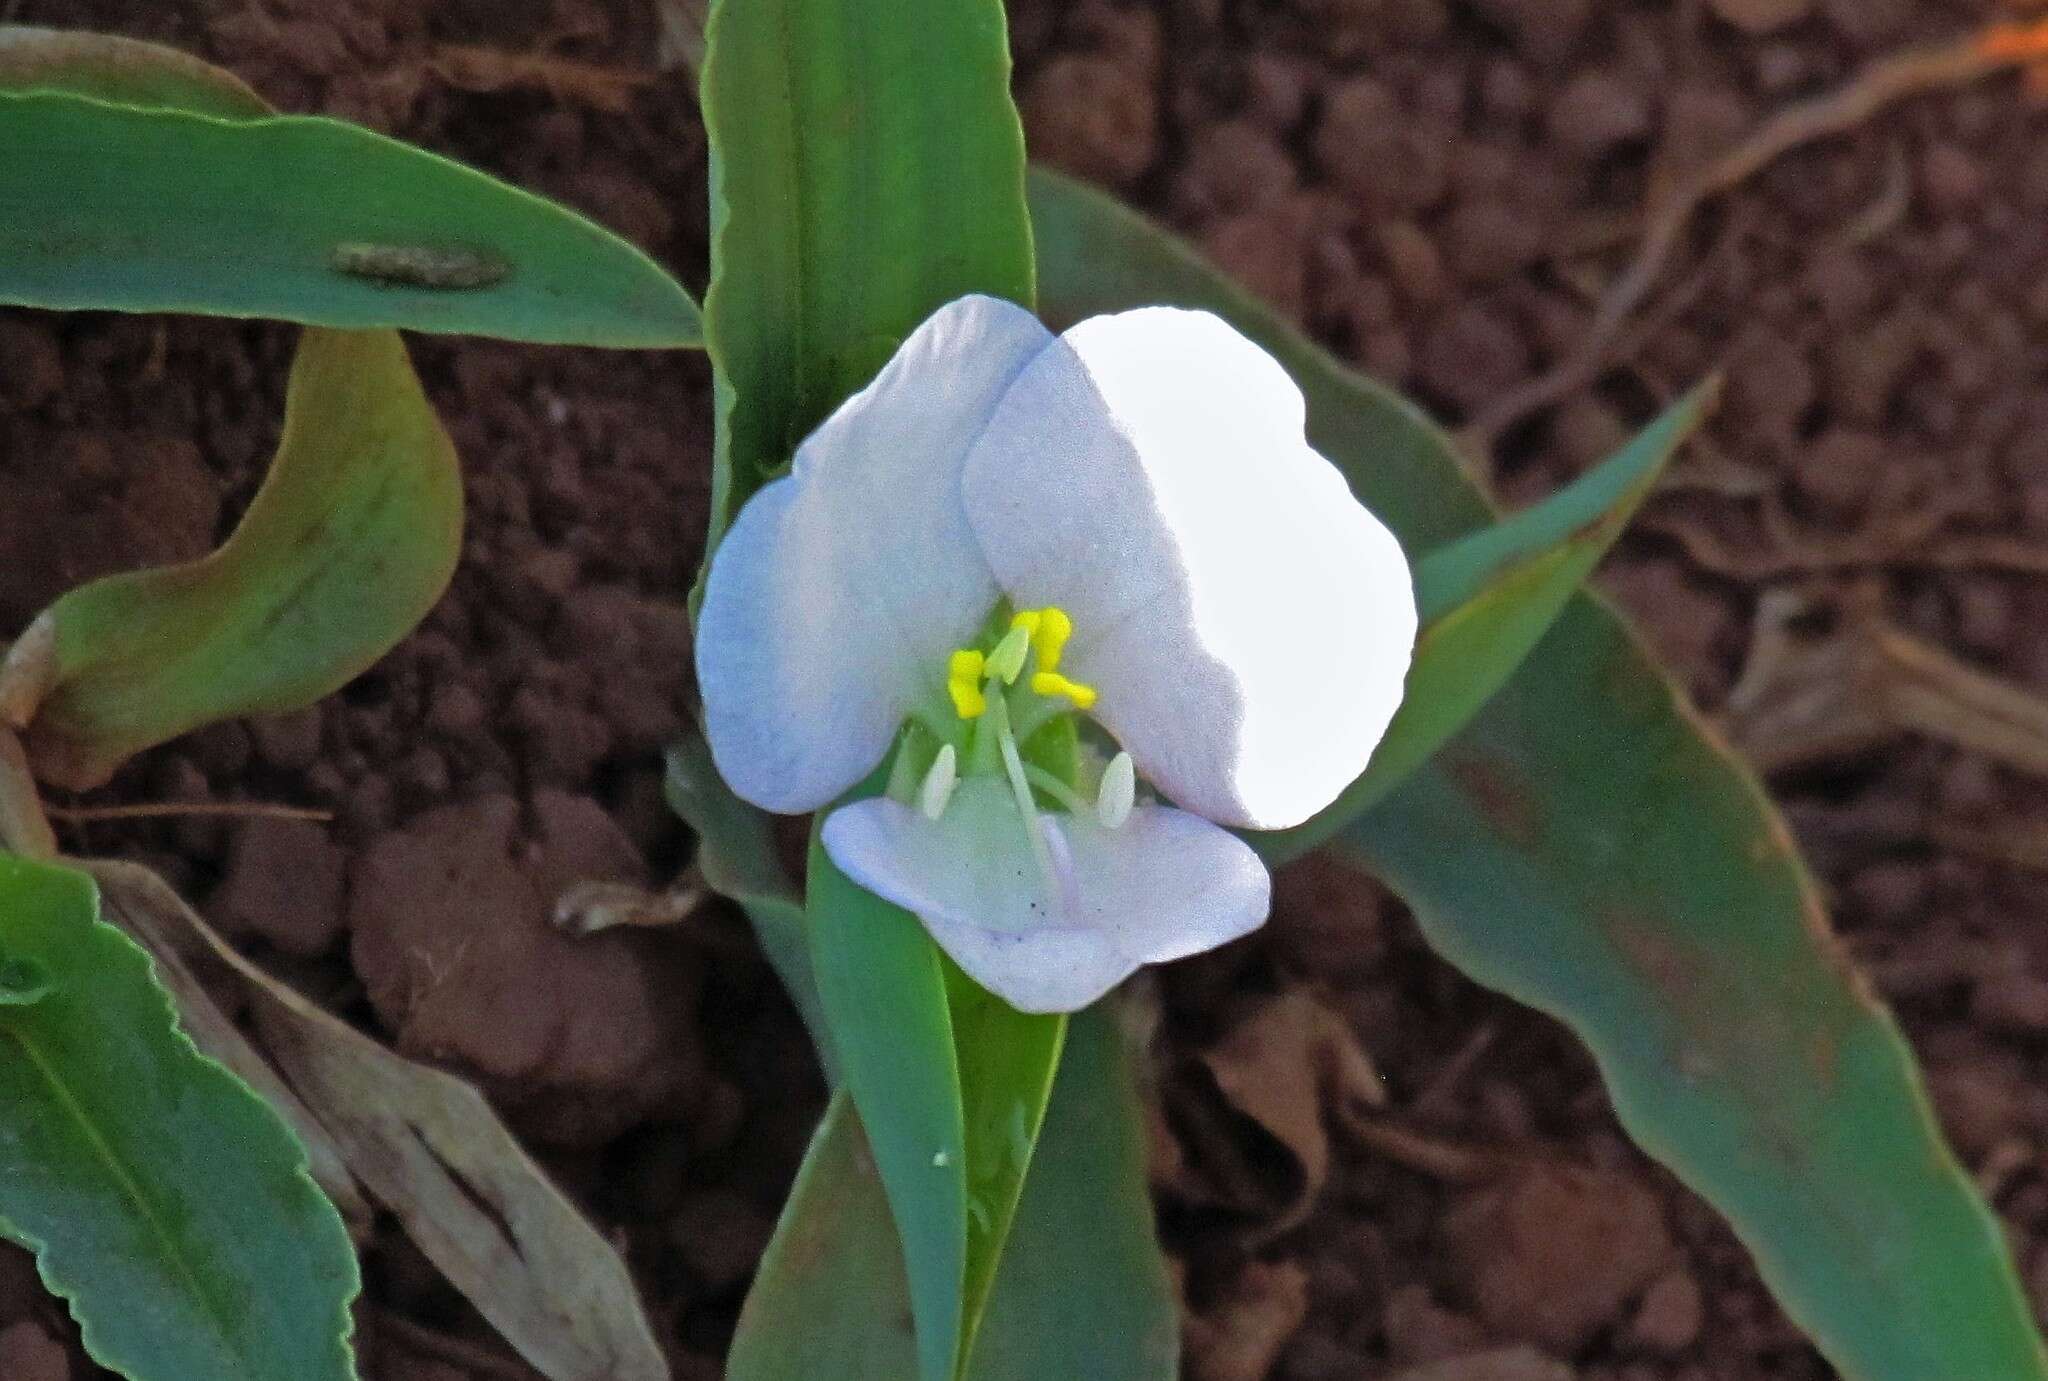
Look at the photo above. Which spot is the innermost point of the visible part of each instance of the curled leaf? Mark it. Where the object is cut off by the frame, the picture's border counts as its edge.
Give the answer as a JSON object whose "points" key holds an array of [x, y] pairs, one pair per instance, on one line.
{"points": [[349, 542]]}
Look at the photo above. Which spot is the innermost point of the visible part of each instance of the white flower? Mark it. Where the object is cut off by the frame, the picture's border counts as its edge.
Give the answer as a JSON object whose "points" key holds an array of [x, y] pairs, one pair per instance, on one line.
{"points": [[1008, 528]]}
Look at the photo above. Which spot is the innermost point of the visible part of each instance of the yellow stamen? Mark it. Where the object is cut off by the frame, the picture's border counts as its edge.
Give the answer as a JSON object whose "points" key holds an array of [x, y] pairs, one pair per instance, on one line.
{"points": [[1050, 630], [1052, 683], [963, 683]]}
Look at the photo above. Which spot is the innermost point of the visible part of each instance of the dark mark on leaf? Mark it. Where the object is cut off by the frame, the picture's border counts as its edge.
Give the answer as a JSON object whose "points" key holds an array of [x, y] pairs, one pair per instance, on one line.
{"points": [[421, 266]]}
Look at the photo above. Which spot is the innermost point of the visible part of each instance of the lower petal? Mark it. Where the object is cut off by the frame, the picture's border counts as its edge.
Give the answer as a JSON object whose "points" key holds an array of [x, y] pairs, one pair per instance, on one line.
{"points": [[1163, 885]]}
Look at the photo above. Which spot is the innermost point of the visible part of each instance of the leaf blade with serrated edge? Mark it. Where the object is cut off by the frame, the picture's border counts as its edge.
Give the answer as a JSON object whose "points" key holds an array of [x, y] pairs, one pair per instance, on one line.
{"points": [[162, 1198]]}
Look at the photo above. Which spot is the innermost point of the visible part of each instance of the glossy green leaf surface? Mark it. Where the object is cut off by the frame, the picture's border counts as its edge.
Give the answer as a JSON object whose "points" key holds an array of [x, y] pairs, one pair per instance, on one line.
{"points": [[349, 542], [1486, 601], [1082, 1292], [1007, 1059], [1586, 847], [958, 1082], [867, 167], [163, 1199], [298, 218], [1083, 1289], [883, 987]]}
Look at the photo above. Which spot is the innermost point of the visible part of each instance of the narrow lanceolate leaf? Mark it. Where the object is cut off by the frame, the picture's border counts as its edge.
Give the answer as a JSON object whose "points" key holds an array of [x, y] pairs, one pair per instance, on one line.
{"points": [[1007, 1059], [884, 994], [1082, 1292], [867, 167], [165, 1201], [349, 542], [1586, 847], [1486, 602], [297, 218], [1083, 1289]]}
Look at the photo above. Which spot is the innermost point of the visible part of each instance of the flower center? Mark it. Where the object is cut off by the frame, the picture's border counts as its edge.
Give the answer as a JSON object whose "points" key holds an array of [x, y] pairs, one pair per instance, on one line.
{"points": [[1043, 632], [999, 714]]}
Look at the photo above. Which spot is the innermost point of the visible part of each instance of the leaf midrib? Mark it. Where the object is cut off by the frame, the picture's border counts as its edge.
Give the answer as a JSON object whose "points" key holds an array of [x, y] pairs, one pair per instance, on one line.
{"points": [[213, 1311]]}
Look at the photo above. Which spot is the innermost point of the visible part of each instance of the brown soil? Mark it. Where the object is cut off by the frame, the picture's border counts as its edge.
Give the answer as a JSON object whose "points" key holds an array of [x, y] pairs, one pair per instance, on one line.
{"points": [[1405, 177]]}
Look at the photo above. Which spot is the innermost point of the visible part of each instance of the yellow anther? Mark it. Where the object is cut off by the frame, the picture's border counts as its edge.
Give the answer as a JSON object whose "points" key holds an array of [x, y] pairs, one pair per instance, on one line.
{"points": [[1052, 683], [963, 683], [1049, 633], [1028, 620]]}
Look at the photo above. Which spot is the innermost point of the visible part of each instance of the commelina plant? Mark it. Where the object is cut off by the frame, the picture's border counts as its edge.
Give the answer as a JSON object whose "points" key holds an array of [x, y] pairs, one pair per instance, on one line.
{"points": [[1006, 530], [1065, 638]]}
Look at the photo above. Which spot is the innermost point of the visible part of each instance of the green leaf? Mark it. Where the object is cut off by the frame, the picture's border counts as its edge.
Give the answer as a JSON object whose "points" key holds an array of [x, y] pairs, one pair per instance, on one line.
{"points": [[1587, 848], [1082, 1292], [829, 1297], [1486, 601], [884, 995], [349, 542], [1004, 1059], [439, 1160], [163, 1199], [1007, 1059], [300, 218], [867, 167]]}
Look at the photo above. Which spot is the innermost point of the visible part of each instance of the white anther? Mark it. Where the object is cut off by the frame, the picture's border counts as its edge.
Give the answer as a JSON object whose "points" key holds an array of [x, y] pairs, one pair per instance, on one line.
{"points": [[937, 789], [1118, 792]]}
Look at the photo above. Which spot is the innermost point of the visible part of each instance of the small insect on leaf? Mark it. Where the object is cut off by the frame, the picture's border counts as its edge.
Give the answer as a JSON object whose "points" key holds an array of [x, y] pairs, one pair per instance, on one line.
{"points": [[421, 266]]}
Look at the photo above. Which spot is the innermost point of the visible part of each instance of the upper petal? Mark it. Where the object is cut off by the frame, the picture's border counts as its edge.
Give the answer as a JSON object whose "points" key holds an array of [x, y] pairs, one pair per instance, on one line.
{"points": [[1163, 885], [1248, 623], [834, 599]]}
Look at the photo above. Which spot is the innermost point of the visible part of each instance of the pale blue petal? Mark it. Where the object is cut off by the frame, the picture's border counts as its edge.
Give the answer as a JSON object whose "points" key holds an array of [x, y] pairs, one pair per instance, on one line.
{"points": [[834, 600], [1248, 624], [1163, 885]]}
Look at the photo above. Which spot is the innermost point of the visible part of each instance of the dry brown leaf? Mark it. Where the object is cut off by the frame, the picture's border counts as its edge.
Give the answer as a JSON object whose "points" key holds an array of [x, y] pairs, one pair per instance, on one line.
{"points": [[430, 1148], [1803, 700], [1278, 1071], [1247, 1330], [143, 905], [469, 68]]}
